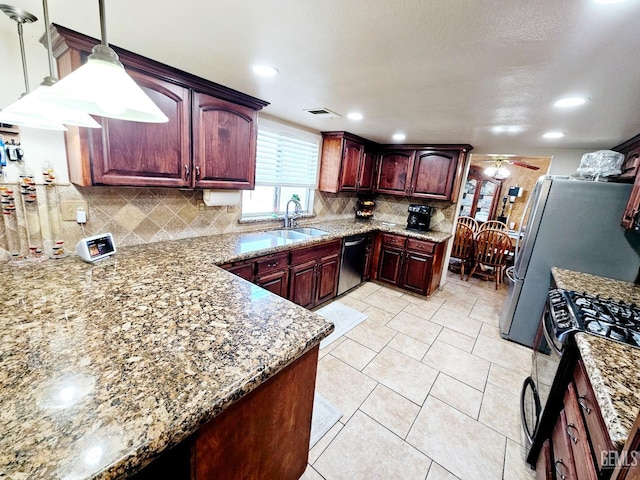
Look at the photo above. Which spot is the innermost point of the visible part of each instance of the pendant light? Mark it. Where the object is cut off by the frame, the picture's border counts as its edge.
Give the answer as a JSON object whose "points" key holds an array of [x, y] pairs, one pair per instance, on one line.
{"points": [[20, 118], [102, 87], [32, 104]]}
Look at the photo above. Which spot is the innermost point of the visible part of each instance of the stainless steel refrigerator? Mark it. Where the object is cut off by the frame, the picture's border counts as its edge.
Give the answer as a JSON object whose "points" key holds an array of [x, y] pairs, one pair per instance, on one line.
{"points": [[571, 224]]}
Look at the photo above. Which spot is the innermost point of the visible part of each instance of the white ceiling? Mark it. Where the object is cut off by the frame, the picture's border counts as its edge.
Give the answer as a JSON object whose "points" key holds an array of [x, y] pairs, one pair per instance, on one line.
{"points": [[442, 71]]}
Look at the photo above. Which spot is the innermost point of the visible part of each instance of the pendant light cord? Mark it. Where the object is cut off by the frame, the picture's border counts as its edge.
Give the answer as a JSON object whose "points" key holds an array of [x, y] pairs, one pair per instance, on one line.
{"points": [[103, 23], [47, 31], [24, 59]]}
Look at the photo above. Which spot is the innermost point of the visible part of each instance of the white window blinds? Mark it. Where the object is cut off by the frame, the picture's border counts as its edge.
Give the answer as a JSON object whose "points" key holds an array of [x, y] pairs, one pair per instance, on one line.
{"points": [[284, 160]]}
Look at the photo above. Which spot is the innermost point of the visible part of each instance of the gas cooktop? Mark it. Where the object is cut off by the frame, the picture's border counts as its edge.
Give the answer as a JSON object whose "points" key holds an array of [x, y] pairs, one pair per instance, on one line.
{"points": [[617, 321]]}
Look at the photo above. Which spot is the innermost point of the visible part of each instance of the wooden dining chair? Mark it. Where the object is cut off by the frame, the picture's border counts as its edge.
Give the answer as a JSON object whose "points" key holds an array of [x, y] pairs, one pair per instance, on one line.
{"points": [[462, 249], [491, 250], [470, 222], [493, 224]]}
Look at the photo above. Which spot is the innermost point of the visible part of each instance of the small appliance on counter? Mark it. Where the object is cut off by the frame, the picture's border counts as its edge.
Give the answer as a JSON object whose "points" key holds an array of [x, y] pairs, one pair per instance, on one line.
{"points": [[364, 208], [95, 248], [419, 217]]}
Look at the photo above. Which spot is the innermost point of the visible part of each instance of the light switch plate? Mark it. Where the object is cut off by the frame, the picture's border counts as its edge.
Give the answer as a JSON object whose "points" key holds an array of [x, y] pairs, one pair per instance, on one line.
{"points": [[69, 209]]}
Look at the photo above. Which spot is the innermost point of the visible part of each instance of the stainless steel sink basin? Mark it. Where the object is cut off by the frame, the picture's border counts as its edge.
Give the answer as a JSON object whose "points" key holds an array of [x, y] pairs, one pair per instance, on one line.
{"points": [[312, 232], [288, 234]]}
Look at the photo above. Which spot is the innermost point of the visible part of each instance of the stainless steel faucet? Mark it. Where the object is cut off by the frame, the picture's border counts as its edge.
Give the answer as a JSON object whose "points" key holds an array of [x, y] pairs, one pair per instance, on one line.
{"points": [[290, 220]]}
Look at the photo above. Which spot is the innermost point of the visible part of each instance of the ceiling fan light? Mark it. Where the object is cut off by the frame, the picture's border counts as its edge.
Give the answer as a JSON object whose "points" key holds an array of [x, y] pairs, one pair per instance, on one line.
{"points": [[32, 104], [497, 172], [104, 88]]}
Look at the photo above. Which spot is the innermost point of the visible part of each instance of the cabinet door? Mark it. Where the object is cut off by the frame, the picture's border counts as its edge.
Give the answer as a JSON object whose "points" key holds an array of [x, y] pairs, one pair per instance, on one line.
{"points": [[367, 171], [302, 284], [577, 435], [416, 272], [243, 270], [633, 205], [562, 455], [390, 264], [433, 174], [224, 143], [630, 165], [145, 154], [327, 282], [274, 282], [394, 174], [351, 158]]}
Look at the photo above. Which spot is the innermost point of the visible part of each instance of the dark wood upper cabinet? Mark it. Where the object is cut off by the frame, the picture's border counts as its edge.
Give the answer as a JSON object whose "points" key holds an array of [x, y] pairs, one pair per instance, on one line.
{"points": [[394, 173], [347, 164], [224, 143], [209, 141], [419, 171]]}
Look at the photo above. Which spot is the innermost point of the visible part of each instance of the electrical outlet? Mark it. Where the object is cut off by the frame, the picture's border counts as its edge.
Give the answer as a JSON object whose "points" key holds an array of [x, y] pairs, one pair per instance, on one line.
{"points": [[201, 206], [231, 208], [69, 210]]}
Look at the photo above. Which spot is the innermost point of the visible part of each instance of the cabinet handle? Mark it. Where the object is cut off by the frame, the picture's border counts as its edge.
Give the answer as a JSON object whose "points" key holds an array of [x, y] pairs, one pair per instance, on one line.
{"points": [[197, 172], [271, 265], [186, 172], [573, 438], [561, 475], [583, 405]]}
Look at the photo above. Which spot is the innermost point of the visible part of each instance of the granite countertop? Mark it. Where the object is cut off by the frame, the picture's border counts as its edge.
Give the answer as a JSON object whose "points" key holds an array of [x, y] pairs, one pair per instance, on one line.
{"points": [[102, 367], [607, 362], [233, 247]]}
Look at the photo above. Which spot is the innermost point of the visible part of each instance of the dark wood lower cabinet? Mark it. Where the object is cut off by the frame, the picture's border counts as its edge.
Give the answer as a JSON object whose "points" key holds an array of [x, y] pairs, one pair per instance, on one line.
{"points": [[265, 434], [562, 455], [302, 281], [417, 270], [313, 275], [390, 264], [327, 280], [274, 282], [544, 469]]}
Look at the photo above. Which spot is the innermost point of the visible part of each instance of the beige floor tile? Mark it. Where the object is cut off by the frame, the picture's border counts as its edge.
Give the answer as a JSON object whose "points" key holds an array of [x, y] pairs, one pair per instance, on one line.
{"points": [[462, 304], [367, 442], [466, 448], [452, 288], [324, 442], [391, 410], [371, 334], [415, 327], [437, 472], [356, 355], [342, 385], [504, 353], [390, 290], [384, 301], [457, 395], [487, 311], [459, 340], [329, 348], [492, 331], [515, 466], [311, 474], [378, 316], [457, 322], [500, 410], [364, 290], [424, 310], [487, 290], [409, 346], [458, 364], [402, 374], [415, 298], [506, 379], [354, 303]]}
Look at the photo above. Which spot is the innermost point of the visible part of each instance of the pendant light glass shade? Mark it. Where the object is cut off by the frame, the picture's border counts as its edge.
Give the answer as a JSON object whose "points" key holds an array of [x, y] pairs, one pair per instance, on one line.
{"points": [[31, 121], [33, 105], [497, 172], [103, 87]]}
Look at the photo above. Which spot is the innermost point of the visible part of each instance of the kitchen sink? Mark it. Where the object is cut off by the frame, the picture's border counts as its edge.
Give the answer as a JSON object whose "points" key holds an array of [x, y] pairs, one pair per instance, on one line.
{"points": [[288, 234], [312, 232]]}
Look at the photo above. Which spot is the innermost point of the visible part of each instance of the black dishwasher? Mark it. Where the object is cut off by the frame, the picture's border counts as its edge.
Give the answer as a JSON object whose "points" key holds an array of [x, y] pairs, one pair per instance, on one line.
{"points": [[354, 251]]}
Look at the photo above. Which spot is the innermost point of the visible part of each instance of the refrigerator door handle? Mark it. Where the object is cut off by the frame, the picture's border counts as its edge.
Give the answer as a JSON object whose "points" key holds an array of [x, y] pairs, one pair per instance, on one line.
{"points": [[520, 239]]}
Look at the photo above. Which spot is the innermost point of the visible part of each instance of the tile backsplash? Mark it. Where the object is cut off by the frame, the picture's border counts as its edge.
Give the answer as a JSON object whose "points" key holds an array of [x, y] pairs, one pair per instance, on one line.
{"points": [[143, 215]]}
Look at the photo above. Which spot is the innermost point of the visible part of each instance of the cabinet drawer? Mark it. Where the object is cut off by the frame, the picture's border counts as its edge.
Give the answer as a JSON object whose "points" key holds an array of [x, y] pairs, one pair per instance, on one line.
{"points": [[420, 245], [316, 252], [543, 465], [577, 436], [396, 240], [272, 263], [563, 462], [600, 440]]}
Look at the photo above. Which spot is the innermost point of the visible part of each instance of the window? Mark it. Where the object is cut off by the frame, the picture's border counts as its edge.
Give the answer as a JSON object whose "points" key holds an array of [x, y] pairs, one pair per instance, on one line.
{"points": [[286, 165]]}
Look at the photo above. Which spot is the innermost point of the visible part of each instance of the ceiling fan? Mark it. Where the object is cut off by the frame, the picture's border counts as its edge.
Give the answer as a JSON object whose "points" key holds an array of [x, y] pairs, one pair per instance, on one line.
{"points": [[499, 171]]}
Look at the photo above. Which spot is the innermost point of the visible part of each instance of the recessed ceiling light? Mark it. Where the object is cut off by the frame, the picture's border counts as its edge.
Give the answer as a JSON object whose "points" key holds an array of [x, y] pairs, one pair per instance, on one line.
{"points": [[399, 136], [264, 70], [507, 129], [553, 135], [355, 116], [570, 102], [606, 2]]}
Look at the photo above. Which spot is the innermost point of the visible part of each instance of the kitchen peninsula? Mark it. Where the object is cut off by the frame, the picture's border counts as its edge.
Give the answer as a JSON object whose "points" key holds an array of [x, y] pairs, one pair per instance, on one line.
{"points": [[107, 366]]}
